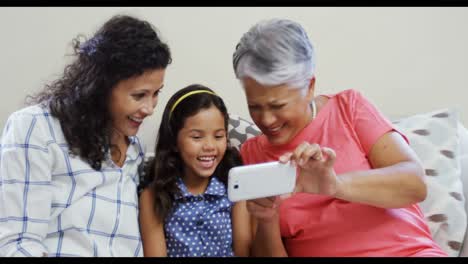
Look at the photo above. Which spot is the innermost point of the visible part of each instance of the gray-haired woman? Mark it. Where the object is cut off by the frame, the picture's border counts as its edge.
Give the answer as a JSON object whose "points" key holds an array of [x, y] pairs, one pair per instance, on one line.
{"points": [[359, 182]]}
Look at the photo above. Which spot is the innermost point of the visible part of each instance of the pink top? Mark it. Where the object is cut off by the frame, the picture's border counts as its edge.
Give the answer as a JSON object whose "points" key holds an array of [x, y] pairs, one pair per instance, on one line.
{"points": [[320, 225]]}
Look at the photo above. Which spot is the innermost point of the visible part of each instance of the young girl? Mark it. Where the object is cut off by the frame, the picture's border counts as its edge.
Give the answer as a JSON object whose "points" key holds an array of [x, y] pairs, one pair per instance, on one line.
{"points": [[185, 210]]}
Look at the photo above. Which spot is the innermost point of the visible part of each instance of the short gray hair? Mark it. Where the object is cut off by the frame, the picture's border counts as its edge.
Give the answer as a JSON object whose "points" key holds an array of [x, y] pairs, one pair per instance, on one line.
{"points": [[275, 52]]}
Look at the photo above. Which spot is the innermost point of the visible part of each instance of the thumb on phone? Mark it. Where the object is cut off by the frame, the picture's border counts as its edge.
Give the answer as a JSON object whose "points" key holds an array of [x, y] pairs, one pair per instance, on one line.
{"points": [[285, 157]]}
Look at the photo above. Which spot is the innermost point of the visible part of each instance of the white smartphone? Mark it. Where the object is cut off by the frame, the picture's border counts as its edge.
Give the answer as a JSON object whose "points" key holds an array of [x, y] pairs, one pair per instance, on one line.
{"points": [[261, 180]]}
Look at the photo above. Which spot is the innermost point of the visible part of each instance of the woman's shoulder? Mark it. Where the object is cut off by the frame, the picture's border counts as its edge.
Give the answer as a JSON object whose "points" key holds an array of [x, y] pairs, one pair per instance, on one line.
{"points": [[349, 98], [253, 148], [348, 94], [30, 111], [37, 115], [34, 123], [253, 142]]}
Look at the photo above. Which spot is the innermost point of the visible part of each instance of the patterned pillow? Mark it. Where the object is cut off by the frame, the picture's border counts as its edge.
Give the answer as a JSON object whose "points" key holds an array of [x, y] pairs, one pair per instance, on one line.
{"points": [[434, 138], [240, 129]]}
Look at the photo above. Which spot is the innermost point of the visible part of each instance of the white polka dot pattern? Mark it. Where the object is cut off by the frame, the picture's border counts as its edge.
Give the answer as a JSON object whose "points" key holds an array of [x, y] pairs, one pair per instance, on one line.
{"points": [[200, 225]]}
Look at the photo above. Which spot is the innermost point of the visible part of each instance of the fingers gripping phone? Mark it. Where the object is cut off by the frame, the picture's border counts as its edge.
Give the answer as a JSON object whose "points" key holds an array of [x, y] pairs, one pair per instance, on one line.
{"points": [[261, 180]]}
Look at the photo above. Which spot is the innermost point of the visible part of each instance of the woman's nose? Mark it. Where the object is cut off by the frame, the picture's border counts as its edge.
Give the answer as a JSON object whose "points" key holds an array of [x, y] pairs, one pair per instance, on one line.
{"points": [[267, 118], [148, 108]]}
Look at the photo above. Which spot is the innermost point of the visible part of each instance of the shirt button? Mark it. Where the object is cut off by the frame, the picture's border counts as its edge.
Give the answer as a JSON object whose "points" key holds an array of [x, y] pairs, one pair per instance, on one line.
{"points": [[199, 223]]}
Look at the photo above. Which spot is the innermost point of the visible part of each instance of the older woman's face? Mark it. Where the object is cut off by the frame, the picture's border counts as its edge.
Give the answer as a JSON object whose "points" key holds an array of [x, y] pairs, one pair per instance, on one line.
{"points": [[280, 112]]}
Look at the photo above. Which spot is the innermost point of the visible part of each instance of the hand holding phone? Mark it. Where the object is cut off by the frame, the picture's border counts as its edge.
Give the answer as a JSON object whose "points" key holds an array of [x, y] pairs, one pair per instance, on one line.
{"points": [[261, 180]]}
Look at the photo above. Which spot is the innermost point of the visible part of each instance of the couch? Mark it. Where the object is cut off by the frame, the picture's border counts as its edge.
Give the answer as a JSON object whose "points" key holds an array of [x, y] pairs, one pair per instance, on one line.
{"points": [[441, 143]]}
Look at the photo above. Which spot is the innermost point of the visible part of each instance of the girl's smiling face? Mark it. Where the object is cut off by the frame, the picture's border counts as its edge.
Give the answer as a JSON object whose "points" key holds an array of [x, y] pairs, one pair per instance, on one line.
{"points": [[202, 143]]}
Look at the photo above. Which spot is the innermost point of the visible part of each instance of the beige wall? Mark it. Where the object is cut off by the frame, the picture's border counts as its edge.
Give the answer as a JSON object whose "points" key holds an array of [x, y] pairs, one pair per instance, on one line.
{"points": [[406, 60]]}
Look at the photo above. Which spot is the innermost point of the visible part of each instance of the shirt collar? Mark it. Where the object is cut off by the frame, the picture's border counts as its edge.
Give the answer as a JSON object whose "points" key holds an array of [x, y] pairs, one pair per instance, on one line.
{"points": [[134, 149], [215, 188]]}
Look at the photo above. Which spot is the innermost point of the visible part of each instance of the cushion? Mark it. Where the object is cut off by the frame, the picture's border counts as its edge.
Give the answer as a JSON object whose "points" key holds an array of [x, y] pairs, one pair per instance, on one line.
{"points": [[434, 138], [240, 129], [463, 135]]}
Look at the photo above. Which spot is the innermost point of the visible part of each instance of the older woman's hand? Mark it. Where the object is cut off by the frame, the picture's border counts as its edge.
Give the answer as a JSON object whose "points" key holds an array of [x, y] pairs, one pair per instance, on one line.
{"points": [[265, 227], [264, 209], [315, 169]]}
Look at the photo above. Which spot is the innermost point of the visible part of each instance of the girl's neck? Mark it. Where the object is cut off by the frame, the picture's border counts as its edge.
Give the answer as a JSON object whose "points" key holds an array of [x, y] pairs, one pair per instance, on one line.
{"points": [[196, 185]]}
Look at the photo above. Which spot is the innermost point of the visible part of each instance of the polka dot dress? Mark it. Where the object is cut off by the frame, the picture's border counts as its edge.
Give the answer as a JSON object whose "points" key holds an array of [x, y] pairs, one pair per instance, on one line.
{"points": [[200, 226]]}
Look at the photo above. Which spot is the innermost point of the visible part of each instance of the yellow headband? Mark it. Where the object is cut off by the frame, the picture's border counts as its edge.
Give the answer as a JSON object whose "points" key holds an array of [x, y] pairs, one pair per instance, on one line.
{"points": [[187, 95]]}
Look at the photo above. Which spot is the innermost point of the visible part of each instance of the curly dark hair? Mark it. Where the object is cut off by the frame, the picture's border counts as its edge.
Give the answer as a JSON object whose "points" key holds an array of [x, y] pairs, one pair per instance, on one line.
{"points": [[124, 47], [167, 166]]}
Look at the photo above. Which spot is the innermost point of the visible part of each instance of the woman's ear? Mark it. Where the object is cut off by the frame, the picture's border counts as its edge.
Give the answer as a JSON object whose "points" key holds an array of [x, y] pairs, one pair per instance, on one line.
{"points": [[311, 89]]}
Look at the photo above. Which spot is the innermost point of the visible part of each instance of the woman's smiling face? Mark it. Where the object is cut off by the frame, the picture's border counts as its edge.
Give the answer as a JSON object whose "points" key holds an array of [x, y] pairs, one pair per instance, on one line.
{"points": [[132, 100], [280, 112]]}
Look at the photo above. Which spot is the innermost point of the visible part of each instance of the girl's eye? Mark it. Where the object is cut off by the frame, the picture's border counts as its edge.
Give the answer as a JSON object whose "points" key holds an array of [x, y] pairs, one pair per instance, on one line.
{"points": [[220, 136]]}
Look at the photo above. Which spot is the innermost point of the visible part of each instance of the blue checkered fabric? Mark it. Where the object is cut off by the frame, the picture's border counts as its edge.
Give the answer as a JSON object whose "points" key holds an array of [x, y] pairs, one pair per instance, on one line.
{"points": [[55, 204]]}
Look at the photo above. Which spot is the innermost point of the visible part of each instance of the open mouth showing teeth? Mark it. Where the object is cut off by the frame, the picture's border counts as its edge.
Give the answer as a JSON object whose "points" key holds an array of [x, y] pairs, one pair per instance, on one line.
{"points": [[275, 129], [207, 162], [138, 120], [210, 158]]}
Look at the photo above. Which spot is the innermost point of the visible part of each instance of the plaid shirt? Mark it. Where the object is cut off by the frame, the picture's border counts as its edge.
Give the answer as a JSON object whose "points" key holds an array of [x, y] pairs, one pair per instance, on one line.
{"points": [[55, 203]]}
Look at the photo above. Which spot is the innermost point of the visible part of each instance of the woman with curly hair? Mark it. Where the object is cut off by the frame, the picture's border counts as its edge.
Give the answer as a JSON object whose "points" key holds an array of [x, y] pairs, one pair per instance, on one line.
{"points": [[68, 163]]}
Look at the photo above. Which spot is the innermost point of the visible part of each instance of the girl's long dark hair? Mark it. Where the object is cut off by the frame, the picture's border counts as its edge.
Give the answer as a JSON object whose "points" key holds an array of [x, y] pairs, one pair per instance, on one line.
{"points": [[122, 48], [167, 165]]}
